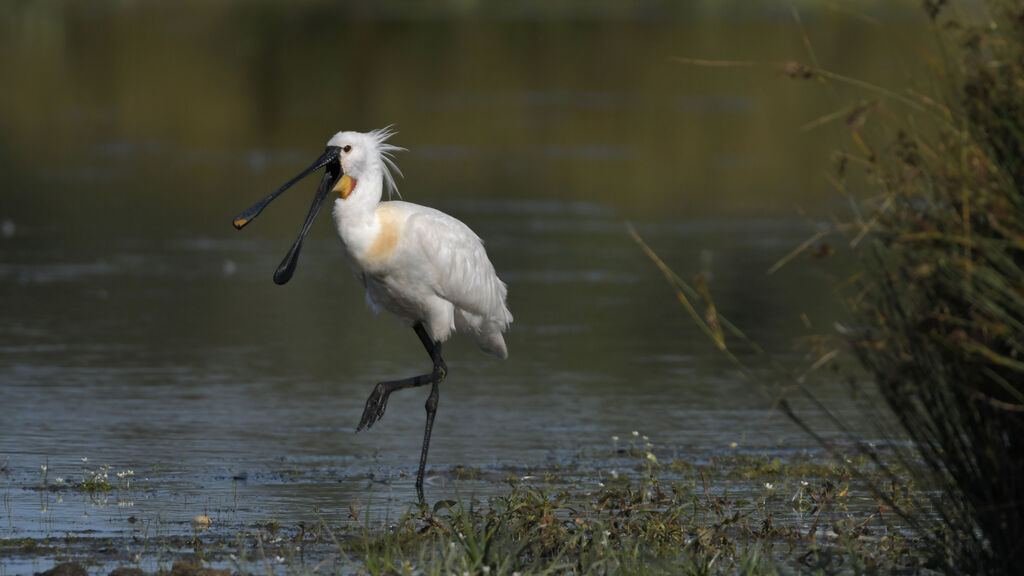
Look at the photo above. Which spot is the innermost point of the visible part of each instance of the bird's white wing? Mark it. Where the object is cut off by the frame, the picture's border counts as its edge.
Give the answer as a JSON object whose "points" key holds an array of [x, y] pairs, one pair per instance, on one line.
{"points": [[462, 272]]}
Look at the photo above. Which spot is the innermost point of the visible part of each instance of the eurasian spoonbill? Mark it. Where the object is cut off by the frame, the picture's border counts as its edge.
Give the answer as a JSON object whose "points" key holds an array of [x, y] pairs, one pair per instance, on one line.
{"points": [[422, 265]]}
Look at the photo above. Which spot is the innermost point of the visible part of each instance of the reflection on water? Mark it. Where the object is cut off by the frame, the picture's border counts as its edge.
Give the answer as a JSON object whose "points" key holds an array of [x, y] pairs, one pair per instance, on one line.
{"points": [[141, 332]]}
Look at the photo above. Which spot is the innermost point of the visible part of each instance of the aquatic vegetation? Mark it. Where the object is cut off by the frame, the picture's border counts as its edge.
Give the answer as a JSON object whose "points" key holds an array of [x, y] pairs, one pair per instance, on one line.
{"points": [[98, 480], [753, 513], [650, 524], [938, 219], [941, 302], [637, 509]]}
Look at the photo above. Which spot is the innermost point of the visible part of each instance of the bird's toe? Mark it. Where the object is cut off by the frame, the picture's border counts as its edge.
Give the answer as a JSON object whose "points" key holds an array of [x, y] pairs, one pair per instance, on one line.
{"points": [[375, 406]]}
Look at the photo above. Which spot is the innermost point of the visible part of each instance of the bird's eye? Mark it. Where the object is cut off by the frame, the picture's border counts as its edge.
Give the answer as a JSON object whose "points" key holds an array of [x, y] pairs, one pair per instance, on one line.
{"points": [[347, 148]]}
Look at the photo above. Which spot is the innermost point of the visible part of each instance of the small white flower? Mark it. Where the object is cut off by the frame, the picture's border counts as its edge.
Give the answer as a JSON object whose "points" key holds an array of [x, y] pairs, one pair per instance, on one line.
{"points": [[85, 460], [769, 486], [615, 438], [651, 457], [60, 480], [615, 474], [600, 484], [733, 445], [43, 467], [635, 434], [280, 559], [803, 482], [486, 569]]}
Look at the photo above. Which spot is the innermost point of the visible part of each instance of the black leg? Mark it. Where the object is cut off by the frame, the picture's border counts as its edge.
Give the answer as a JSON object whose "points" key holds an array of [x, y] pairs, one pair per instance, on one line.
{"points": [[378, 399], [431, 407]]}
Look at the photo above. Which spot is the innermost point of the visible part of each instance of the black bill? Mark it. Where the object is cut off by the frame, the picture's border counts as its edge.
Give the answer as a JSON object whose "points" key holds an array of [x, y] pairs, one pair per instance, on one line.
{"points": [[332, 174], [331, 153]]}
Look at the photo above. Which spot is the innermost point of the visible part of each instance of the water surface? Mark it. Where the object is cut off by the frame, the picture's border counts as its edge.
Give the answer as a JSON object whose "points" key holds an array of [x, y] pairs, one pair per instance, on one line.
{"points": [[141, 332]]}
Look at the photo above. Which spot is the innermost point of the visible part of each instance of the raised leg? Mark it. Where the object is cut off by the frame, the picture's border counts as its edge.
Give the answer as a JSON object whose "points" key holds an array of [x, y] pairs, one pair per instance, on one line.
{"points": [[378, 399]]}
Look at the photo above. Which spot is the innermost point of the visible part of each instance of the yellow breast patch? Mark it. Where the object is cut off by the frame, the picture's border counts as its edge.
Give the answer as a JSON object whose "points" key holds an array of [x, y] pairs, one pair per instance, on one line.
{"points": [[387, 239]]}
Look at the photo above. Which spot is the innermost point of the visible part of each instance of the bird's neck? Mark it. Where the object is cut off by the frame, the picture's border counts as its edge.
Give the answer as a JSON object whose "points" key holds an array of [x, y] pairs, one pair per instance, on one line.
{"points": [[355, 216]]}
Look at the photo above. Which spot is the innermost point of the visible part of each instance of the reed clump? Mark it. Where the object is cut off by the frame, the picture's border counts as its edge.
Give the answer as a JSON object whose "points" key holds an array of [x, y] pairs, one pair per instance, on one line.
{"points": [[942, 297], [939, 298]]}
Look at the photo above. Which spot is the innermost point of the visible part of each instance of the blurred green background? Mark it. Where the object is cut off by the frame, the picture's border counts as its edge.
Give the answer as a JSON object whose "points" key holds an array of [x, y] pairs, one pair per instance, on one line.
{"points": [[166, 116]]}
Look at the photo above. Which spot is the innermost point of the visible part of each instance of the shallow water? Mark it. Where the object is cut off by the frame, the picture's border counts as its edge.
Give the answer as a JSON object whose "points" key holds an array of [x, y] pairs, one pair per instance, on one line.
{"points": [[206, 378], [142, 333]]}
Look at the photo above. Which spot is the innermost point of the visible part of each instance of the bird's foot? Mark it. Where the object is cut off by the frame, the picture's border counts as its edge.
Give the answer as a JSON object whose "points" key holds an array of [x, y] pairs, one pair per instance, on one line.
{"points": [[375, 406]]}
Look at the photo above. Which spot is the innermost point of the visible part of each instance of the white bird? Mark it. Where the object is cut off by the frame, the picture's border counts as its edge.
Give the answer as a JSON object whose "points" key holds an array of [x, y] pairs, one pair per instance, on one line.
{"points": [[422, 265]]}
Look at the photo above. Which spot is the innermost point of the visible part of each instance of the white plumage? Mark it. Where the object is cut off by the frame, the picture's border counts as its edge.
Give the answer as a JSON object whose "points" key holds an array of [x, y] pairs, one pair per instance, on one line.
{"points": [[418, 263]]}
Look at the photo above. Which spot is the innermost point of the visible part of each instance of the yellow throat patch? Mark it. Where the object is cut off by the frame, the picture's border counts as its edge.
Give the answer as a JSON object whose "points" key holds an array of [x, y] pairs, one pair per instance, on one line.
{"points": [[345, 186]]}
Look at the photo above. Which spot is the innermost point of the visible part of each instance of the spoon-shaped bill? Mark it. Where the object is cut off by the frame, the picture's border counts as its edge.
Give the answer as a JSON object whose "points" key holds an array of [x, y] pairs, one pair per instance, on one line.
{"points": [[331, 153], [331, 176]]}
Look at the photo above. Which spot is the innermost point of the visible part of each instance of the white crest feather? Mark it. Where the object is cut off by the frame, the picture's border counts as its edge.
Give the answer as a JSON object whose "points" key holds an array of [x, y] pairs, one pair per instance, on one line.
{"points": [[380, 137]]}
